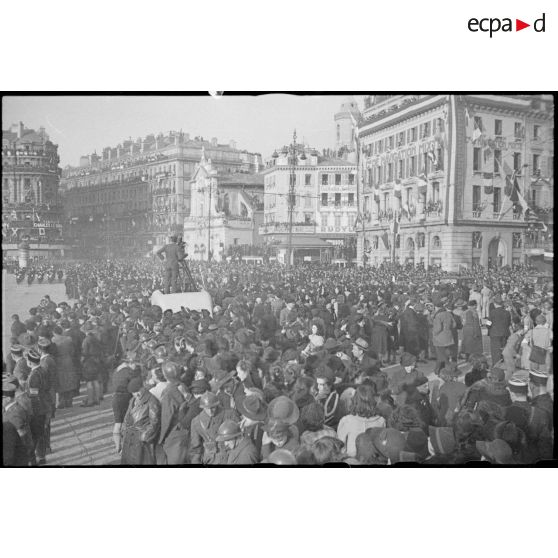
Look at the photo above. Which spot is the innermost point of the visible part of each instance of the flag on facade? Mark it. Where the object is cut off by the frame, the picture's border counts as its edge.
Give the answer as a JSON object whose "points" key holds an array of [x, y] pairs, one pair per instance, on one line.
{"points": [[432, 157], [358, 220], [422, 180], [477, 132], [467, 116], [385, 240], [397, 189]]}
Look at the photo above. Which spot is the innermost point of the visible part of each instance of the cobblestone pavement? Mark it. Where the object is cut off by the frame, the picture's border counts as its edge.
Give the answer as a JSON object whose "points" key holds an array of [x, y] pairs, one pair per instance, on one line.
{"points": [[83, 435]]}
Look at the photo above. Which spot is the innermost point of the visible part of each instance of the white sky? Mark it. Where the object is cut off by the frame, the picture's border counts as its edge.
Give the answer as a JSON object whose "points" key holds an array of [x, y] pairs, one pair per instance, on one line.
{"points": [[81, 124]]}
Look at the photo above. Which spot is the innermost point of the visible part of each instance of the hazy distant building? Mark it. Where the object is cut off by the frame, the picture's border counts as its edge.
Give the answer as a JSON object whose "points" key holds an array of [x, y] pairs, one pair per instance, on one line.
{"points": [[30, 196], [131, 197]]}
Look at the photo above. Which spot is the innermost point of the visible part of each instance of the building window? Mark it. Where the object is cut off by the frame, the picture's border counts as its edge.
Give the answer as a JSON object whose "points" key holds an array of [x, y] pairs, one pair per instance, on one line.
{"points": [[400, 168], [497, 127], [351, 200], [391, 142], [421, 240], [435, 192], [497, 200], [518, 130], [337, 222], [308, 218], [440, 125], [536, 164], [337, 200], [324, 220], [337, 180], [413, 169], [351, 179], [324, 200], [307, 179], [414, 133], [390, 172], [476, 198], [478, 122], [516, 240], [325, 179], [476, 159], [436, 244], [440, 159], [375, 242], [400, 139], [497, 160], [517, 162], [536, 131]]}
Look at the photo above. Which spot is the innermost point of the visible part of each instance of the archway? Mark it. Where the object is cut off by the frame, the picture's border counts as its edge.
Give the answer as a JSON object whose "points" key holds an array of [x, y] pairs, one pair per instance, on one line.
{"points": [[497, 253]]}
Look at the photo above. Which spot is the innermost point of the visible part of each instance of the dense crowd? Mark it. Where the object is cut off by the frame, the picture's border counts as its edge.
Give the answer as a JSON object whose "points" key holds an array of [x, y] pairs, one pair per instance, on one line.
{"points": [[309, 366]]}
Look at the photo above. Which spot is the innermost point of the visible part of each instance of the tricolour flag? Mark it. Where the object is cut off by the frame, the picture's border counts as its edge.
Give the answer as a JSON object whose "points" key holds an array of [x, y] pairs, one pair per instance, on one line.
{"points": [[487, 179]]}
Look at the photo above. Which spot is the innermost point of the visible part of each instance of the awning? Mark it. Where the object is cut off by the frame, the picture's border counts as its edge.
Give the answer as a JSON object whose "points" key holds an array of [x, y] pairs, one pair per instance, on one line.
{"points": [[300, 241], [549, 255]]}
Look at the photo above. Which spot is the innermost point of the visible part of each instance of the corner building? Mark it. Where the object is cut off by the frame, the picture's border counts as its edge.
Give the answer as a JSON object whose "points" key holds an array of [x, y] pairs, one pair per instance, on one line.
{"points": [[438, 165]]}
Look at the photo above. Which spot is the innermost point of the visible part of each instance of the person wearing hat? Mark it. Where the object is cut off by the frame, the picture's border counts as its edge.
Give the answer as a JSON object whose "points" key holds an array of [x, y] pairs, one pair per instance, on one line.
{"points": [[205, 427], [471, 334], [409, 328], [21, 369], [15, 413], [443, 326], [441, 445], [406, 374], [535, 422], [141, 425], [499, 322], [92, 364], [538, 389], [38, 390], [510, 352], [253, 411], [493, 388], [278, 434], [236, 448], [446, 397], [171, 446], [50, 369], [390, 443], [361, 358]]}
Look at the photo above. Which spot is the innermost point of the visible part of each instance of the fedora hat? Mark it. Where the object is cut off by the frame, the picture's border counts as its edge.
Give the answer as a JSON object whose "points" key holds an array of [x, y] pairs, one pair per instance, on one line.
{"points": [[253, 407], [361, 344], [284, 409]]}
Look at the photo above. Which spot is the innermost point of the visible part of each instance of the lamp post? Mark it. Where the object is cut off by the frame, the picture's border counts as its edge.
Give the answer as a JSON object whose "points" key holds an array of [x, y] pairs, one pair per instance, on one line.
{"points": [[209, 225]]}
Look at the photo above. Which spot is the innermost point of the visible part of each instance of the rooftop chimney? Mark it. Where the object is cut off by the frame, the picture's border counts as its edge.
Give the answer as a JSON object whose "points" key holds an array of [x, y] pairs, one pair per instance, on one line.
{"points": [[214, 142], [20, 128]]}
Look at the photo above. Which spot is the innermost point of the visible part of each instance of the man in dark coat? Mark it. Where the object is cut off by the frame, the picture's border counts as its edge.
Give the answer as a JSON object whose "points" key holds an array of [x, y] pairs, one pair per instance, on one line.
{"points": [[499, 329], [18, 327], [171, 448], [173, 256], [409, 330]]}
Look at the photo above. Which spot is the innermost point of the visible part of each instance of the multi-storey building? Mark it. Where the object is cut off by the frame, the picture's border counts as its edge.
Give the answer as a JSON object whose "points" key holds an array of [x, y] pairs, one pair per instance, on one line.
{"points": [[30, 199], [462, 178], [130, 198], [226, 212], [324, 209]]}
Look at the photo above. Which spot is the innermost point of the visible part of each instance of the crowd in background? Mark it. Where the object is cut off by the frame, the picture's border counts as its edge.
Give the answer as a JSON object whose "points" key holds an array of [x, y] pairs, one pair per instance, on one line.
{"points": [[313, 365]]}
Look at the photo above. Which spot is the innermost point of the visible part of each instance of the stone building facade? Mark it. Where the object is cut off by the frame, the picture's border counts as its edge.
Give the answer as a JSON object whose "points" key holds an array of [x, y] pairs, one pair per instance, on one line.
{"points": [[443, 168], [30, 192], [129, 199], [226, 212]]}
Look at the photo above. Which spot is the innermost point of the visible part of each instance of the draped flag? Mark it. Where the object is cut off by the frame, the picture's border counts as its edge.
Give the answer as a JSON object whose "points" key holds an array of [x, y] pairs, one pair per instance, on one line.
{"points": [[385, 240]]}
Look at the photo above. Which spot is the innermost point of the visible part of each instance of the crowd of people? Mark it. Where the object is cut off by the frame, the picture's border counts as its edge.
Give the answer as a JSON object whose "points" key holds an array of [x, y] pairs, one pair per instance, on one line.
{"points": [[306, 366]]}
